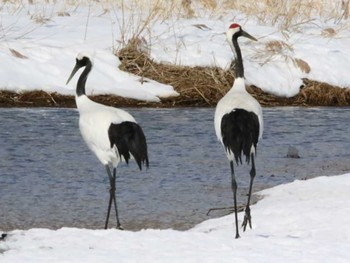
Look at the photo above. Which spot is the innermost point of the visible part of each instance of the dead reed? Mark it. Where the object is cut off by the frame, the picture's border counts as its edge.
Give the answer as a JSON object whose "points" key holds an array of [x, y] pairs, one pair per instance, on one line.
{"points": [[198, 86], [204, 86]]}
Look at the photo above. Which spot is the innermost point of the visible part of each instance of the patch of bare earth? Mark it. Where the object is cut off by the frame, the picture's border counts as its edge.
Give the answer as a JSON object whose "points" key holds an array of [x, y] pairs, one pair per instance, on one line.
{"points": [[198, 87]]}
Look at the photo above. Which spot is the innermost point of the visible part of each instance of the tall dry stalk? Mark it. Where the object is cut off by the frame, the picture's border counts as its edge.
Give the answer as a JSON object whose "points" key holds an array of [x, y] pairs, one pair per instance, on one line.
{"points": [[138, 17]]}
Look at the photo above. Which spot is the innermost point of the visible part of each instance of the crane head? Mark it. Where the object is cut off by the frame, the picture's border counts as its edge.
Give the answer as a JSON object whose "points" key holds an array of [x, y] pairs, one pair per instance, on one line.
{"points": [[81, 61], [235, 30]]}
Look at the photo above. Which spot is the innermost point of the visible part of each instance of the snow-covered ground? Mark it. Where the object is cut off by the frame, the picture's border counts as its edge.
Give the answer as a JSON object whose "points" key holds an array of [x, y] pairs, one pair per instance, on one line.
{"points": [[303, 221], [39, 43]]}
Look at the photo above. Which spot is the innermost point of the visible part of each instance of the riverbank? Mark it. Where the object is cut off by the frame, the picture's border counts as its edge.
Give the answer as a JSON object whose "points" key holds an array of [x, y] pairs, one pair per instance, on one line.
{"points": [[168, 44], [197, 87], [312, 94]]}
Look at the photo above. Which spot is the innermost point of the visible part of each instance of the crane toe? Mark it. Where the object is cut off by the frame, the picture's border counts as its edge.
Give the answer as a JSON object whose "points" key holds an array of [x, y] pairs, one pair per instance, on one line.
{"points": [[247, 219], [119, 227]]}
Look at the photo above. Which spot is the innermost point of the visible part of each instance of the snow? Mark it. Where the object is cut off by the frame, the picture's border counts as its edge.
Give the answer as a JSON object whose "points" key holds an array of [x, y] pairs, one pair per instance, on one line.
{"points": [[51, 35], [303, 221], [50, 49]]}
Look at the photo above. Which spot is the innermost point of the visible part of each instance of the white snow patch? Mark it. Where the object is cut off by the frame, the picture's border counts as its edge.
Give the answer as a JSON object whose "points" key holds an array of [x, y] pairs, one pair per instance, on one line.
{"points": [[303, 221]]}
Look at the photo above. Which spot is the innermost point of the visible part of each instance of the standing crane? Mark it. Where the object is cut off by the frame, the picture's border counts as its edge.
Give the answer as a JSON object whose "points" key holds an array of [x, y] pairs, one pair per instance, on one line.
{"points": [[238, 122], [111, 133]]}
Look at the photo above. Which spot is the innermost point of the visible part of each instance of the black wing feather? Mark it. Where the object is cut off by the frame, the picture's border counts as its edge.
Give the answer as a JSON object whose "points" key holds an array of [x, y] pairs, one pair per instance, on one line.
{"points": [[240, 130], [129, 138]]}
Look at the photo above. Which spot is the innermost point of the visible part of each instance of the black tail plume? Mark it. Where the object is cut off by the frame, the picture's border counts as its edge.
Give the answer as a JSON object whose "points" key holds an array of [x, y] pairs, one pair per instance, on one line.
{"points": [[240, 131], [129, 138]]}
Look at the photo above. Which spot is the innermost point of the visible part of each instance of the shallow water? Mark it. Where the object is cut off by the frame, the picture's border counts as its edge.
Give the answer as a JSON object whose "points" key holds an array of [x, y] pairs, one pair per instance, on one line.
{"points": [[49, 178]]}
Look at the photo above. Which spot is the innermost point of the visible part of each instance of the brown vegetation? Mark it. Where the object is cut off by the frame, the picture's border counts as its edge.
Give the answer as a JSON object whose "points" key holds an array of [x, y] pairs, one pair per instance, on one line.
{"points": [[201, 86], [198, 87]]}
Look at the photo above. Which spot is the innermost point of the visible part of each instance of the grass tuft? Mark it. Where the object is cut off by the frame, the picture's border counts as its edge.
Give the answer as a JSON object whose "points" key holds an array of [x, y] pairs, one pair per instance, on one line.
{"points": [[197, 85], [205, 86]]}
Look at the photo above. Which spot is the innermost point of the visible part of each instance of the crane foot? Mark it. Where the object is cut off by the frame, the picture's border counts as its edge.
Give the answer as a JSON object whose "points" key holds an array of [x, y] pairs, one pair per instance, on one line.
{"points": [[247, 219]]}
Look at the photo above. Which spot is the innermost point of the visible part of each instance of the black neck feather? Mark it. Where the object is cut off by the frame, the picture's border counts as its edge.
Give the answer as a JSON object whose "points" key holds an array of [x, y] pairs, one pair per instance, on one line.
{"points": [[238, 65], [82, 79]]}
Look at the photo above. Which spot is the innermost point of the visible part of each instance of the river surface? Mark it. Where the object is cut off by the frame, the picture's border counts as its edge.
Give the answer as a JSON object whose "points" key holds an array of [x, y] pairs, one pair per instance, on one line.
{"points": [[49, 178]]}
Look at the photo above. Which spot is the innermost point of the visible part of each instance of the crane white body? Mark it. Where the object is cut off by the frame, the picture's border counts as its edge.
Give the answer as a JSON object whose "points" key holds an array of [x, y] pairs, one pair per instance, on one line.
{"points": [[237, 98], [94, 122]]}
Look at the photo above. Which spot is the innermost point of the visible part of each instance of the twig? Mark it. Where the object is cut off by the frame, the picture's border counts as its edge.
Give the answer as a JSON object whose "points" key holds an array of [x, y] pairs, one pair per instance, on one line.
{"points": [[230, 208], [53, 100], [202, 95], [87, 21]]}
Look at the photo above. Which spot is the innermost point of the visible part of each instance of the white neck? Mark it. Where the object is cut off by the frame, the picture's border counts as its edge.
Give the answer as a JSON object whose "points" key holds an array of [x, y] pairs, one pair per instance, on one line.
{"points": [[238, 85], [84, 103]]}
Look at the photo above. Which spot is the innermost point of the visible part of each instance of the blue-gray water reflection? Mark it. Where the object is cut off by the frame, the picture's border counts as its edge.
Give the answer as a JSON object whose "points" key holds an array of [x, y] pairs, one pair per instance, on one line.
{"points": [[48, 177]]}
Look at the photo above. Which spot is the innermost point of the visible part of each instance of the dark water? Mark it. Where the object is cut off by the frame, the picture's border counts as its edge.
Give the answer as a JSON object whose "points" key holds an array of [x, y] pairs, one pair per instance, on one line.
{"points": [[49, 178]]}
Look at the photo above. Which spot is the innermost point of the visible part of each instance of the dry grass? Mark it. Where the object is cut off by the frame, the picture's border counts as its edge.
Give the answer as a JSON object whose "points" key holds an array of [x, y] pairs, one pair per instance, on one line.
{"points": [[302, 65], [195, 84], [204, 86], [286, 14], [17, 54], [280, 50], [198, 86], [35, 99], [275, 12], [317, 93]]}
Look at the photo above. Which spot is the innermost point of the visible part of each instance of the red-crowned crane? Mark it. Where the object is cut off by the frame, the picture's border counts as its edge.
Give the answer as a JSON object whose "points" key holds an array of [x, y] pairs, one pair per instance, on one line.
{"points": [[111, 133], [238, 122]]}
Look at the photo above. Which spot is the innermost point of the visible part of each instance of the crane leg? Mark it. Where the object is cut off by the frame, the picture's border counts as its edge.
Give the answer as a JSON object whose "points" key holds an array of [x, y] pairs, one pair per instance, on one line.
{"points": [[115, 200], [112, 197], [3, 236], [234, 190], [247, 217], [109, 210]]}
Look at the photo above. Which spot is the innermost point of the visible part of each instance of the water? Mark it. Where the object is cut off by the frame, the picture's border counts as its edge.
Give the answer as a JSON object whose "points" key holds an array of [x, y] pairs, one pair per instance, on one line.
{"points": [[49, 178]]}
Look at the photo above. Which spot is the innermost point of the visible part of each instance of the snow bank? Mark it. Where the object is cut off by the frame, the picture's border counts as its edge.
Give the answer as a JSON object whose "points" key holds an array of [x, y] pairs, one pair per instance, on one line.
{"points": [[45, 40], [303, 221]]}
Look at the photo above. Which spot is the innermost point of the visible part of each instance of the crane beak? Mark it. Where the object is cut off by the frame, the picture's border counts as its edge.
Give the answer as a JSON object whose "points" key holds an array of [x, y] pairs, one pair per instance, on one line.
{"points": [[75, 69], [245, 34]]}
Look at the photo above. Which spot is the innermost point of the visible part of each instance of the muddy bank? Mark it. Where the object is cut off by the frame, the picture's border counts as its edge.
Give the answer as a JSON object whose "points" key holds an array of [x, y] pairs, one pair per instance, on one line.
{"points": [[312, 94], [197, 86]]}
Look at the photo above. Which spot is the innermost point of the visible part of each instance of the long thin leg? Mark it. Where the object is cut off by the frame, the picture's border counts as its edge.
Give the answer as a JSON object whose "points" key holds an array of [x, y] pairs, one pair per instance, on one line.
{"points": [[247, 217], [115, 200], [234, 190], [112, 197]]}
